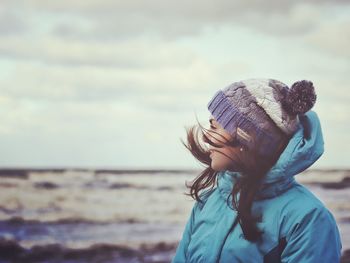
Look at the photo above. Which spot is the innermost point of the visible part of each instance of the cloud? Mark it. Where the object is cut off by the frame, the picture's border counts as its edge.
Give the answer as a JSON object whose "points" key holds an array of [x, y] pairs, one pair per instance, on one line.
{"points": [[102, 32], [183, 19], [117, 20], [332, 36], [133, 54], [11, 23], [102, 82], [49, 82]]}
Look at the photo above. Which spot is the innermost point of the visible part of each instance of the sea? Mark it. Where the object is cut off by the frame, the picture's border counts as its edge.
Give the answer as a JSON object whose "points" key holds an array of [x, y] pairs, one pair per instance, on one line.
{"points": [[86, 215]]}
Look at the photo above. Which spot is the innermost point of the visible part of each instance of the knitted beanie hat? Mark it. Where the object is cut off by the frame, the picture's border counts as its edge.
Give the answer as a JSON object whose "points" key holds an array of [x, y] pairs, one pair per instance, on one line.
{"points": [[267, 106]]}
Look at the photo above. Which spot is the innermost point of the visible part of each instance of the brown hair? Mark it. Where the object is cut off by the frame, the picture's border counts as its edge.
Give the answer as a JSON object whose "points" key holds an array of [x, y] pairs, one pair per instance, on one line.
{"points": [[249, 163]]}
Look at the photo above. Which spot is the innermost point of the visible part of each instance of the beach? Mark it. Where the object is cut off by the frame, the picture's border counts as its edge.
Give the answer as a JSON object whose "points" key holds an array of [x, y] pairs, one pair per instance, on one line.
{"points": [[81, 215]]}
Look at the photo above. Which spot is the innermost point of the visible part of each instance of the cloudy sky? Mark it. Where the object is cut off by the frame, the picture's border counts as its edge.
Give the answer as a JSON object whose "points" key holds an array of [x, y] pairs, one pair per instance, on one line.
{"points": [[113, 84]]}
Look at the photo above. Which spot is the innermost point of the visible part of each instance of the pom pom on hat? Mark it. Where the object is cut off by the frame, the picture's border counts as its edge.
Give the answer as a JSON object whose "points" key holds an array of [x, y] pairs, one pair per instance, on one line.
{"points": [[300, 98]]}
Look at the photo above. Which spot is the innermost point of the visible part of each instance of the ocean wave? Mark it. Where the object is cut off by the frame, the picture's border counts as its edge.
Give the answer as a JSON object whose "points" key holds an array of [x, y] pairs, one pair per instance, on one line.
{"points": [[17, 220], [344, 183], [46, 185], [12, 251]]}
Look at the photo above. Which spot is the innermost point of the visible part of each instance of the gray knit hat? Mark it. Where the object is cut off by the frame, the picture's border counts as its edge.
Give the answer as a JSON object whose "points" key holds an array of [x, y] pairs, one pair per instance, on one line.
{"points": [[266, 105]]}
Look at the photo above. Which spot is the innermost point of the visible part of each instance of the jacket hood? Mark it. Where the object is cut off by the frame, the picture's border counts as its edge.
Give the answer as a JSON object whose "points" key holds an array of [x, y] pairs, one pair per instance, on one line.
{"points": [[303, 149]]}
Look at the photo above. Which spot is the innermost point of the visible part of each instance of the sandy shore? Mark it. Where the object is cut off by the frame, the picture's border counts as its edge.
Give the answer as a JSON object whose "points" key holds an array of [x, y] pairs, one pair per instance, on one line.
{"points": [[11, 251], [162, 252]]}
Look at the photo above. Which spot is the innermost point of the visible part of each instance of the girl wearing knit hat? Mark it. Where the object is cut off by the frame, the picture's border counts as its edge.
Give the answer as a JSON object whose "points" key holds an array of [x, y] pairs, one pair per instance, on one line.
{"points": [[248, 206]]}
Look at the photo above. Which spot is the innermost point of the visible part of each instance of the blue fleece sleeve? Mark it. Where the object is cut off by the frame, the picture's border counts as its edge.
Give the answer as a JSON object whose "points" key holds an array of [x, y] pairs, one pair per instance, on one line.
{"points": [[315, 238], [180, 254]]}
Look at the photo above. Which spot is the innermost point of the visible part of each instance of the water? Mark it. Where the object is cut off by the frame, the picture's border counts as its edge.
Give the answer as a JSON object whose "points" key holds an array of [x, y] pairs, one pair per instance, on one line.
{"points": [[133, 217]]}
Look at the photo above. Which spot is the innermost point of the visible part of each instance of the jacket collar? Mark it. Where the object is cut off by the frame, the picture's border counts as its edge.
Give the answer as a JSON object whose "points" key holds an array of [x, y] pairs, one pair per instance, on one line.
{"points": [[304, 148]]}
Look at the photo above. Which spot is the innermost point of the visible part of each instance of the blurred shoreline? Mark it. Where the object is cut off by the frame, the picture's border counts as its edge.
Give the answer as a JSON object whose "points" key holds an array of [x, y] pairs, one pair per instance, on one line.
{"points": [[104, 215], [161, 252]]}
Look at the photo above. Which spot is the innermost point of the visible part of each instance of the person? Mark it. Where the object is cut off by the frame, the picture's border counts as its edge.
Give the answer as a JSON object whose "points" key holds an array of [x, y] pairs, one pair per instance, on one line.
{"points": [[248, 206]]}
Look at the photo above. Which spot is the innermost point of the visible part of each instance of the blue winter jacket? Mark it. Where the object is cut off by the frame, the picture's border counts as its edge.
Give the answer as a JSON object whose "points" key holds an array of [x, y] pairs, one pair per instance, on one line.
{"points": [[297, 227]]}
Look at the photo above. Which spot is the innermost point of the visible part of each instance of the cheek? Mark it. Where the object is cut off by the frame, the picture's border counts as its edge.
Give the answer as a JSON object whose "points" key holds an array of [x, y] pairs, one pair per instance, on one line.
{"points": [[222, 155], [219, 161]]}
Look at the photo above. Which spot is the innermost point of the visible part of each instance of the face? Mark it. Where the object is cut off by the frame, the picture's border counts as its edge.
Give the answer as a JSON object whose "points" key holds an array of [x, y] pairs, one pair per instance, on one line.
{"points": [[218, 135]]}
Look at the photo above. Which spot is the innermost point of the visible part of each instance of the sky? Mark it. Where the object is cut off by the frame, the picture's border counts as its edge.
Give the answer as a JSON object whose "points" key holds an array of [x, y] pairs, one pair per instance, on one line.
{"points": [[114, 84]]}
